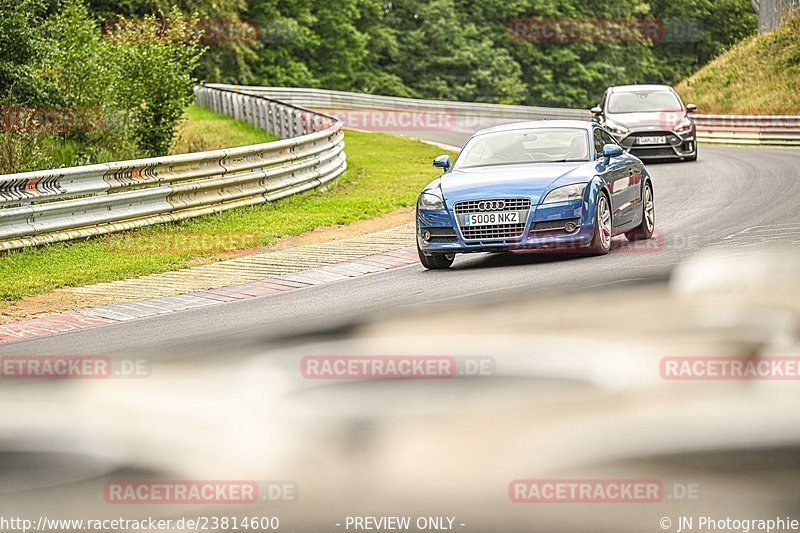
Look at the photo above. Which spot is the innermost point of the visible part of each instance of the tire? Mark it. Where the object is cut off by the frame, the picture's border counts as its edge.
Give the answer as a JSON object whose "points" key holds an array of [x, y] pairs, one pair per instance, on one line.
{"points": [[603, 224], [648, 225], [435, 261]]}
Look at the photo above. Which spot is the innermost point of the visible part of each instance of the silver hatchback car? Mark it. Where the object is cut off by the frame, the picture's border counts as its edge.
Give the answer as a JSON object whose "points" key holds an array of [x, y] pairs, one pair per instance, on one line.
{"points": [[650, 121]]}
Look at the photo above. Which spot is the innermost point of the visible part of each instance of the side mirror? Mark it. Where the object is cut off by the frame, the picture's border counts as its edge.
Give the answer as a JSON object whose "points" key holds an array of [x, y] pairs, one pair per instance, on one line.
{"points": [[597, 110], [443, 161], [691, 108], [610, 151]]}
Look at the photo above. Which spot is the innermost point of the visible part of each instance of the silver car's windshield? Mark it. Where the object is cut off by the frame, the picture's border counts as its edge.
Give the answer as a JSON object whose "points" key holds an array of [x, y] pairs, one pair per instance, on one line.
{"points": [[534, 145], [643, 102]]}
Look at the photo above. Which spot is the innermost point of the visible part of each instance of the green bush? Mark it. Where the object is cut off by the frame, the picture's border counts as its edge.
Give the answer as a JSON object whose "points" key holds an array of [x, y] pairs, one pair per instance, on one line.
{"points": [[153, 60], [55, 61]]}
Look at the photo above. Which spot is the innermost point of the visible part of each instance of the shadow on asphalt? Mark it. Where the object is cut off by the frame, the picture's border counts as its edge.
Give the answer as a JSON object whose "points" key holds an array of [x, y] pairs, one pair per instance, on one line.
{"points": [[510, 259]]}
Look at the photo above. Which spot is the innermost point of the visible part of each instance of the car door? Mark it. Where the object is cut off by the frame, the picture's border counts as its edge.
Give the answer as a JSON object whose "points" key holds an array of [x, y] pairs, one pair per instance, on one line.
{"points": [[615, 174], [626, 191]]}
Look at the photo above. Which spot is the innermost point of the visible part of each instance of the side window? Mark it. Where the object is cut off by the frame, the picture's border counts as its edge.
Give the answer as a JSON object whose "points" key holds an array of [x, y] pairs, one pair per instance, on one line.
{"points": [[607, 138], [598, 142]]}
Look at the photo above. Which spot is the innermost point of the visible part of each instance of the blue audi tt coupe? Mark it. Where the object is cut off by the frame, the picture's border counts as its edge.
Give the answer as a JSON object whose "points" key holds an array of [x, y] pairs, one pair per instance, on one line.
{"points": [[558, 185]]}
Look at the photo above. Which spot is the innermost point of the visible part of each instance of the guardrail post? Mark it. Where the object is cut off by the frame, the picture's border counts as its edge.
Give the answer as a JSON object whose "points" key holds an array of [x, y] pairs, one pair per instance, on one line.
{"points": [[282, 131], [271, 125]]}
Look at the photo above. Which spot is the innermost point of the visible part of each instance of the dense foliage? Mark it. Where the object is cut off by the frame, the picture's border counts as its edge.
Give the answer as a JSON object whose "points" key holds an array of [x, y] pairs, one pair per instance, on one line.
{"points": [[456, 49], [136, 60], [71, 93]]}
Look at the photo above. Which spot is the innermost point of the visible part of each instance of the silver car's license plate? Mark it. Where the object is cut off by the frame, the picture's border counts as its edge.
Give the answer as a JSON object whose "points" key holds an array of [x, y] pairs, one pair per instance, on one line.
{"points": [[656, 139], [491, 219]]}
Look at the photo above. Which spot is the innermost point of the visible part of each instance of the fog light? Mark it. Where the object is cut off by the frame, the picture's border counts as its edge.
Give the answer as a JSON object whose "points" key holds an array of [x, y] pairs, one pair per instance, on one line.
{"points": [[426, 235], [569, 227]]}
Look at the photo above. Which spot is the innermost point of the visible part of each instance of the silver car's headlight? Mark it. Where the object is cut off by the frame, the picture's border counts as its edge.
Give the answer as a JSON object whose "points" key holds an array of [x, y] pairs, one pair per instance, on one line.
{"points": [[565, 194], [683, 126], [616, 128], [430, 200]]}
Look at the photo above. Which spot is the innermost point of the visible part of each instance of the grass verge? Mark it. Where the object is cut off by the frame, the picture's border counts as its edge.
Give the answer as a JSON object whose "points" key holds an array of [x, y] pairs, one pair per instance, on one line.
{"points": [[201, 130], [384, 173], [758, 75]]}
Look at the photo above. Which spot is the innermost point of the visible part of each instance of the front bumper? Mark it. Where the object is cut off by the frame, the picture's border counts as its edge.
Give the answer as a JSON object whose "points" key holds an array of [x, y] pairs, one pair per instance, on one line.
{"points": [[544, 231], [678, 145]]}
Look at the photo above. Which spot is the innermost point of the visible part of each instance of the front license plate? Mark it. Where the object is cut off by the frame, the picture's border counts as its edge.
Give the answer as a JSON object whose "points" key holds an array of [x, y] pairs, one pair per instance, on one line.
{"points": [[491, 219], [651, 140]]}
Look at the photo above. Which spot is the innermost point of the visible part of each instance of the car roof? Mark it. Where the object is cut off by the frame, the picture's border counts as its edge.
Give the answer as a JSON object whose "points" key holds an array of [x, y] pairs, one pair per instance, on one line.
{"points": [[533, 124], [639, 88]]}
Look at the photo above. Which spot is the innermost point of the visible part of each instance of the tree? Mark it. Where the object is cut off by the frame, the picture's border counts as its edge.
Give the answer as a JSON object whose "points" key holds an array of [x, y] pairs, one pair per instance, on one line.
{"points": [[20, 24], [154, 60], [698, 31], [231, 39], [443, 54]]}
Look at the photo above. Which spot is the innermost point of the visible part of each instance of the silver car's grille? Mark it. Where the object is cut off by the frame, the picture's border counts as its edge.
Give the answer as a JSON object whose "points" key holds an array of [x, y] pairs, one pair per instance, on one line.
{"points": [[653, 152], [500, 231]]}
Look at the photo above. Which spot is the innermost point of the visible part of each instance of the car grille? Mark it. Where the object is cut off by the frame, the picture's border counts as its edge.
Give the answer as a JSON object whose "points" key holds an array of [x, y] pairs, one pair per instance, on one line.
{"points": [[555, 225], [653, 152], [501, 231], [511, 204], [441, 234]]}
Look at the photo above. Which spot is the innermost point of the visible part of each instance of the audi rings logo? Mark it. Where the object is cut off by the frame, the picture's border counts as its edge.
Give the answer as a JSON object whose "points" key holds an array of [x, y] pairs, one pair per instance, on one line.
{"points": [[492, 205]]}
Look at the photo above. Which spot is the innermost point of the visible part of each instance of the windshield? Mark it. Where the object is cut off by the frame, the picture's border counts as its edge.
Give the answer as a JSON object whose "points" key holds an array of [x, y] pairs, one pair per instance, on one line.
{"points": [[535, 145], [643, 102]]}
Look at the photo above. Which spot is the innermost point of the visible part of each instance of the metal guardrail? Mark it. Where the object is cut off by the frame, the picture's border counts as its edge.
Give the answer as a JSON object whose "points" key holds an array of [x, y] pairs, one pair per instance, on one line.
{"points": [[56, 205], [323, 99], [767, 130]]}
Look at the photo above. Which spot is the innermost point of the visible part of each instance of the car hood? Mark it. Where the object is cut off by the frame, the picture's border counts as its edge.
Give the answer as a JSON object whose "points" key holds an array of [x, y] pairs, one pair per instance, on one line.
{"points": [[654, 121], [508, 180]]}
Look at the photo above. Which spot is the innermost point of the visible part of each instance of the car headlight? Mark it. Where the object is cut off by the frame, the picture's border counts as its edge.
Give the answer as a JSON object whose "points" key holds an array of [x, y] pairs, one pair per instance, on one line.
{"points": [[683, 126], [616, 128], [565, 194], [429, 200]]}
